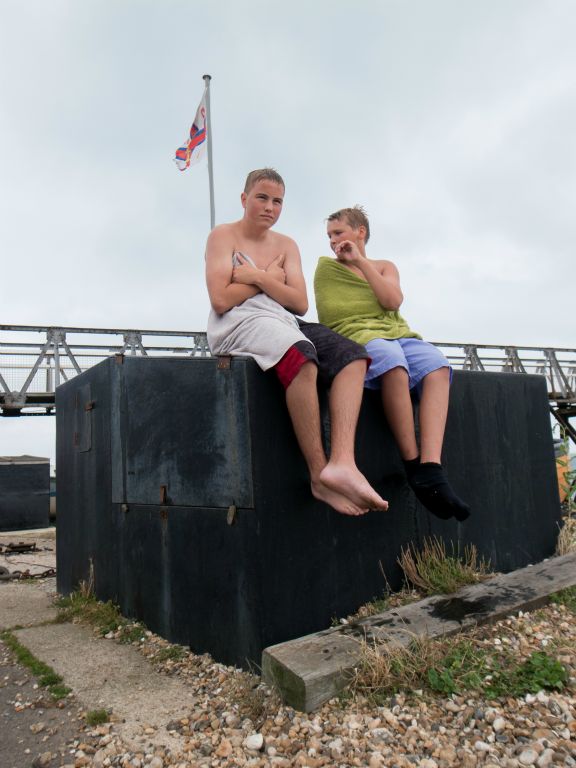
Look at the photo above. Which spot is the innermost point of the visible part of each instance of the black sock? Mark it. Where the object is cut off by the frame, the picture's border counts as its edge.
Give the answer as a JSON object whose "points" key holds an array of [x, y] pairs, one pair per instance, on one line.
{"points": [[432, 489], [411, 466]]}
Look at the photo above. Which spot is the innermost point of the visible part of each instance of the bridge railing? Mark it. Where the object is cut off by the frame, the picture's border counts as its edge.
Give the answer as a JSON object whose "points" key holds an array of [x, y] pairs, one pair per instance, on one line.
{"points": [[31, 368]]}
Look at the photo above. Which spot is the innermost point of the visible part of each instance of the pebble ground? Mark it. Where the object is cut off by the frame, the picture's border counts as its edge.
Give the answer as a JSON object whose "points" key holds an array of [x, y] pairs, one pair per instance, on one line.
{"points": [[237, 721]]}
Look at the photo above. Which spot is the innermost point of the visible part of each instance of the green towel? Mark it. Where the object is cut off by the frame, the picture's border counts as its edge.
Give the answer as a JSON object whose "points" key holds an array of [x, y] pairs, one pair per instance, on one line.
{"points": [[346, 303]]}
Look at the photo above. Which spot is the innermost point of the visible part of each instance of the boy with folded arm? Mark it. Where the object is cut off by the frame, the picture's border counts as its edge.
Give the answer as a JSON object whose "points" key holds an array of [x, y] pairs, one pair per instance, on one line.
{"points": [[256, 287]]}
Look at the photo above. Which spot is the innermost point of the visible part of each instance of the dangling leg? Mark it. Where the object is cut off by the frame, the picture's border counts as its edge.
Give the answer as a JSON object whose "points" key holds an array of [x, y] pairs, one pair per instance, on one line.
{"points": [[304, 410], [341, 472], [428, 480]]}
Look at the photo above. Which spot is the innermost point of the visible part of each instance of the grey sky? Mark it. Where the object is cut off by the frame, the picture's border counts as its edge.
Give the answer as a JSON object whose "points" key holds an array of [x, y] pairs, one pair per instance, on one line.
{"points": [[452, 121]]}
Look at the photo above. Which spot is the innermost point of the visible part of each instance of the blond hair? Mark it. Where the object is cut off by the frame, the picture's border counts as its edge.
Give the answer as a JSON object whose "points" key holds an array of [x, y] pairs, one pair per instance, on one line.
{"points": [[356, 217], [263, 174]]}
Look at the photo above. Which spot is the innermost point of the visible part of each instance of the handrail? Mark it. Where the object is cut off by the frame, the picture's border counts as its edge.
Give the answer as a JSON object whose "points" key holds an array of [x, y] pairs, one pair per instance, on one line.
{"points": [[31, 370]]}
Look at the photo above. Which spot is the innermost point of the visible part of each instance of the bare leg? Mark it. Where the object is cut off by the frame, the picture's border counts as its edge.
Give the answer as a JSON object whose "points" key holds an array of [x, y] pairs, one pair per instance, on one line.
{"points": [[341, 473], [433, 413], [304, 410], [428, 480], [399, 412]]}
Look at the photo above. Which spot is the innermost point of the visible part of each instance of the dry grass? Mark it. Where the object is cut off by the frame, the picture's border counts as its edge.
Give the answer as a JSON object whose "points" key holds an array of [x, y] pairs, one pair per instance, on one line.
{"points": [[253, 699], [566, 543], [390, 668], [434, 571]]}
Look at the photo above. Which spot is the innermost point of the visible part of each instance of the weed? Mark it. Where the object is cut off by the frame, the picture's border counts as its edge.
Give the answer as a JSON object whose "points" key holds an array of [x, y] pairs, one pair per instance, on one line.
{"points": [[49, 678], [453, 665], [253, 700], [434, 571], [59, 691], [464, 667], [83, 606], [171, 653], [566, 542], [566, 475], [539, 672], [46, 676], [96, 717], [565, 597], [130, 633], [386, 670]]}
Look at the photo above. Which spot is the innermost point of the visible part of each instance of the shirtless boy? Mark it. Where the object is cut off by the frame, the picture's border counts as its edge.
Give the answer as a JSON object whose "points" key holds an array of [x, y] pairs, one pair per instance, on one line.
{"points": [[359, 298], [256, 287]]}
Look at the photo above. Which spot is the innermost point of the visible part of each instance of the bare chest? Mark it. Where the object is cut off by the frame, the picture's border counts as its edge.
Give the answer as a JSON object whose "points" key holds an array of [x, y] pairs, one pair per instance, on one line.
{"points": [[259, 257]]}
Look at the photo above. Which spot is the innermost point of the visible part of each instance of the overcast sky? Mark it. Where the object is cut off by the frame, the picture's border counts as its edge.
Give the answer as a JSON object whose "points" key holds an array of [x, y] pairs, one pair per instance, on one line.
{"points": [[452, 121]]}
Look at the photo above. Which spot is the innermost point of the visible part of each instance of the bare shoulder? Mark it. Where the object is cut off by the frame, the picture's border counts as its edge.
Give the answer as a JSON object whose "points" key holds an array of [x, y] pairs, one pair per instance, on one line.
{"points": [[285, 244], [384, 266], [221, 233]]}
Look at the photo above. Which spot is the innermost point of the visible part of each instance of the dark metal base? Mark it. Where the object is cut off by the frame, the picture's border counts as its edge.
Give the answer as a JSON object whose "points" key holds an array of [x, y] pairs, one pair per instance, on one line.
{"points": [[24, 496], [181, 484]]}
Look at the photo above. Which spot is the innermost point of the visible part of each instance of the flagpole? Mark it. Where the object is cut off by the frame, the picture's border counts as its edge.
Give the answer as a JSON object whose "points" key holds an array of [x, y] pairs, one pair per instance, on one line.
{"points": [[207, 79]]}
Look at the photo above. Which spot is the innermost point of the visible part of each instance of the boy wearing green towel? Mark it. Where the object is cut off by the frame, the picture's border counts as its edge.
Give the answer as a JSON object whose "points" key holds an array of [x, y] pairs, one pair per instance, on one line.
{"points": [[359, 298]]}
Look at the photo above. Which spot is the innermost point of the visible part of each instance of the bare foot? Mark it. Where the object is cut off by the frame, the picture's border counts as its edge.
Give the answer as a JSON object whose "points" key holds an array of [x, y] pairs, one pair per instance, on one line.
{"points": [[350, 482], [336, 500]]}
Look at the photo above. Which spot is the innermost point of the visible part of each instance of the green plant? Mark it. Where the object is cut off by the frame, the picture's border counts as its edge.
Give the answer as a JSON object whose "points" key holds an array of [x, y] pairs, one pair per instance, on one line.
{"points": [[464, 667], [565, 597], [538, 672], [47, 677], [59, 691], [451, 666], [566, 475], [170, 653], [130, 632], [96, 717], [434, 571], [83, 606]]}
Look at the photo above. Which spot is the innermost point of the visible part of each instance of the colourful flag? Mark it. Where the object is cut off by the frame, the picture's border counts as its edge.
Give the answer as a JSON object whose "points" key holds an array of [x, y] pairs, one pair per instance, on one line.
{"points": [[195, 147]]}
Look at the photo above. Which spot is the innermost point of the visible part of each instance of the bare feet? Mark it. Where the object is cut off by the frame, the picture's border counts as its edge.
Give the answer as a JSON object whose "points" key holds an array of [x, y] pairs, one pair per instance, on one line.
{"points": [[349, 482], [336, 500]]}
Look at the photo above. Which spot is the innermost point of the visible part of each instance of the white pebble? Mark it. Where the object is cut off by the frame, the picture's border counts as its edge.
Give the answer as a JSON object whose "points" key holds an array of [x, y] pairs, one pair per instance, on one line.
{"points": [[254, 742], [499, 724], [528, 757], [545, 758], [481, 746]]}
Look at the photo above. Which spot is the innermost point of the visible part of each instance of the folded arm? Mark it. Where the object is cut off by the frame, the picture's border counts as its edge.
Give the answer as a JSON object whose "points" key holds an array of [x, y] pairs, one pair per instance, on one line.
{"points": [[282, 280], [224, 294]]}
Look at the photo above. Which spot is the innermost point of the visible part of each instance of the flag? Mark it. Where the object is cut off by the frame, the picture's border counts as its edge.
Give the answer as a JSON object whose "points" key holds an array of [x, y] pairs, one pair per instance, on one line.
{"points": [[195, 147]]}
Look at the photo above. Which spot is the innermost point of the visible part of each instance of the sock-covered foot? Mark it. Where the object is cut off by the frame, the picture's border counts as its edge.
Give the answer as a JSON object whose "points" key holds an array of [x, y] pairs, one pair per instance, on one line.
{"points": [[433, 491]]}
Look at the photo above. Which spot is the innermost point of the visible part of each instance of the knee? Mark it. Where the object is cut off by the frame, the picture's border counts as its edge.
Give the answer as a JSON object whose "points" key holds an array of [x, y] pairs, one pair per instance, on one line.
{"points": [[440, 376], [307, 374], [356, 368], [398, 374]]}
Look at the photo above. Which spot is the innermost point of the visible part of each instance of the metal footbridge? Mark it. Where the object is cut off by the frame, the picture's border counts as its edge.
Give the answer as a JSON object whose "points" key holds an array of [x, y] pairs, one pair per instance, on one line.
{"points": [[34, 360]]}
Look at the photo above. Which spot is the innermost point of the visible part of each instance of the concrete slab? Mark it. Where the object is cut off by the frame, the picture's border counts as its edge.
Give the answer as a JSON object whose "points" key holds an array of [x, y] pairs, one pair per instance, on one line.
{"points": [[105, 674], [23, 604]]}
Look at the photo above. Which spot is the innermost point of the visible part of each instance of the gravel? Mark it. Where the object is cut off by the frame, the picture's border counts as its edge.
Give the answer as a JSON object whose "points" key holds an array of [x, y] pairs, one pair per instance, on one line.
{"points": [[238, 721], [231, 719]]}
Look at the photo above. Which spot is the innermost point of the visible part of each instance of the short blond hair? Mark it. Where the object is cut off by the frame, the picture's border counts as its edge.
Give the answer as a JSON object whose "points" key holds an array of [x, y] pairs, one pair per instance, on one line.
{"points": [[263, 174], [356, 217]]}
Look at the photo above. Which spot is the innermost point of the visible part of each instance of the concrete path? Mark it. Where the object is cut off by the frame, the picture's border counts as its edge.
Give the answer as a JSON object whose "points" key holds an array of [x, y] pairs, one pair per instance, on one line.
{"points": [[102, 673]]}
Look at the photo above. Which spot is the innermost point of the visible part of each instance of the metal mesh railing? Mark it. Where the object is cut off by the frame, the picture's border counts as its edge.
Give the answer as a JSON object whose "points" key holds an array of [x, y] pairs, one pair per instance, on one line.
{"points": [[30, 370]]}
